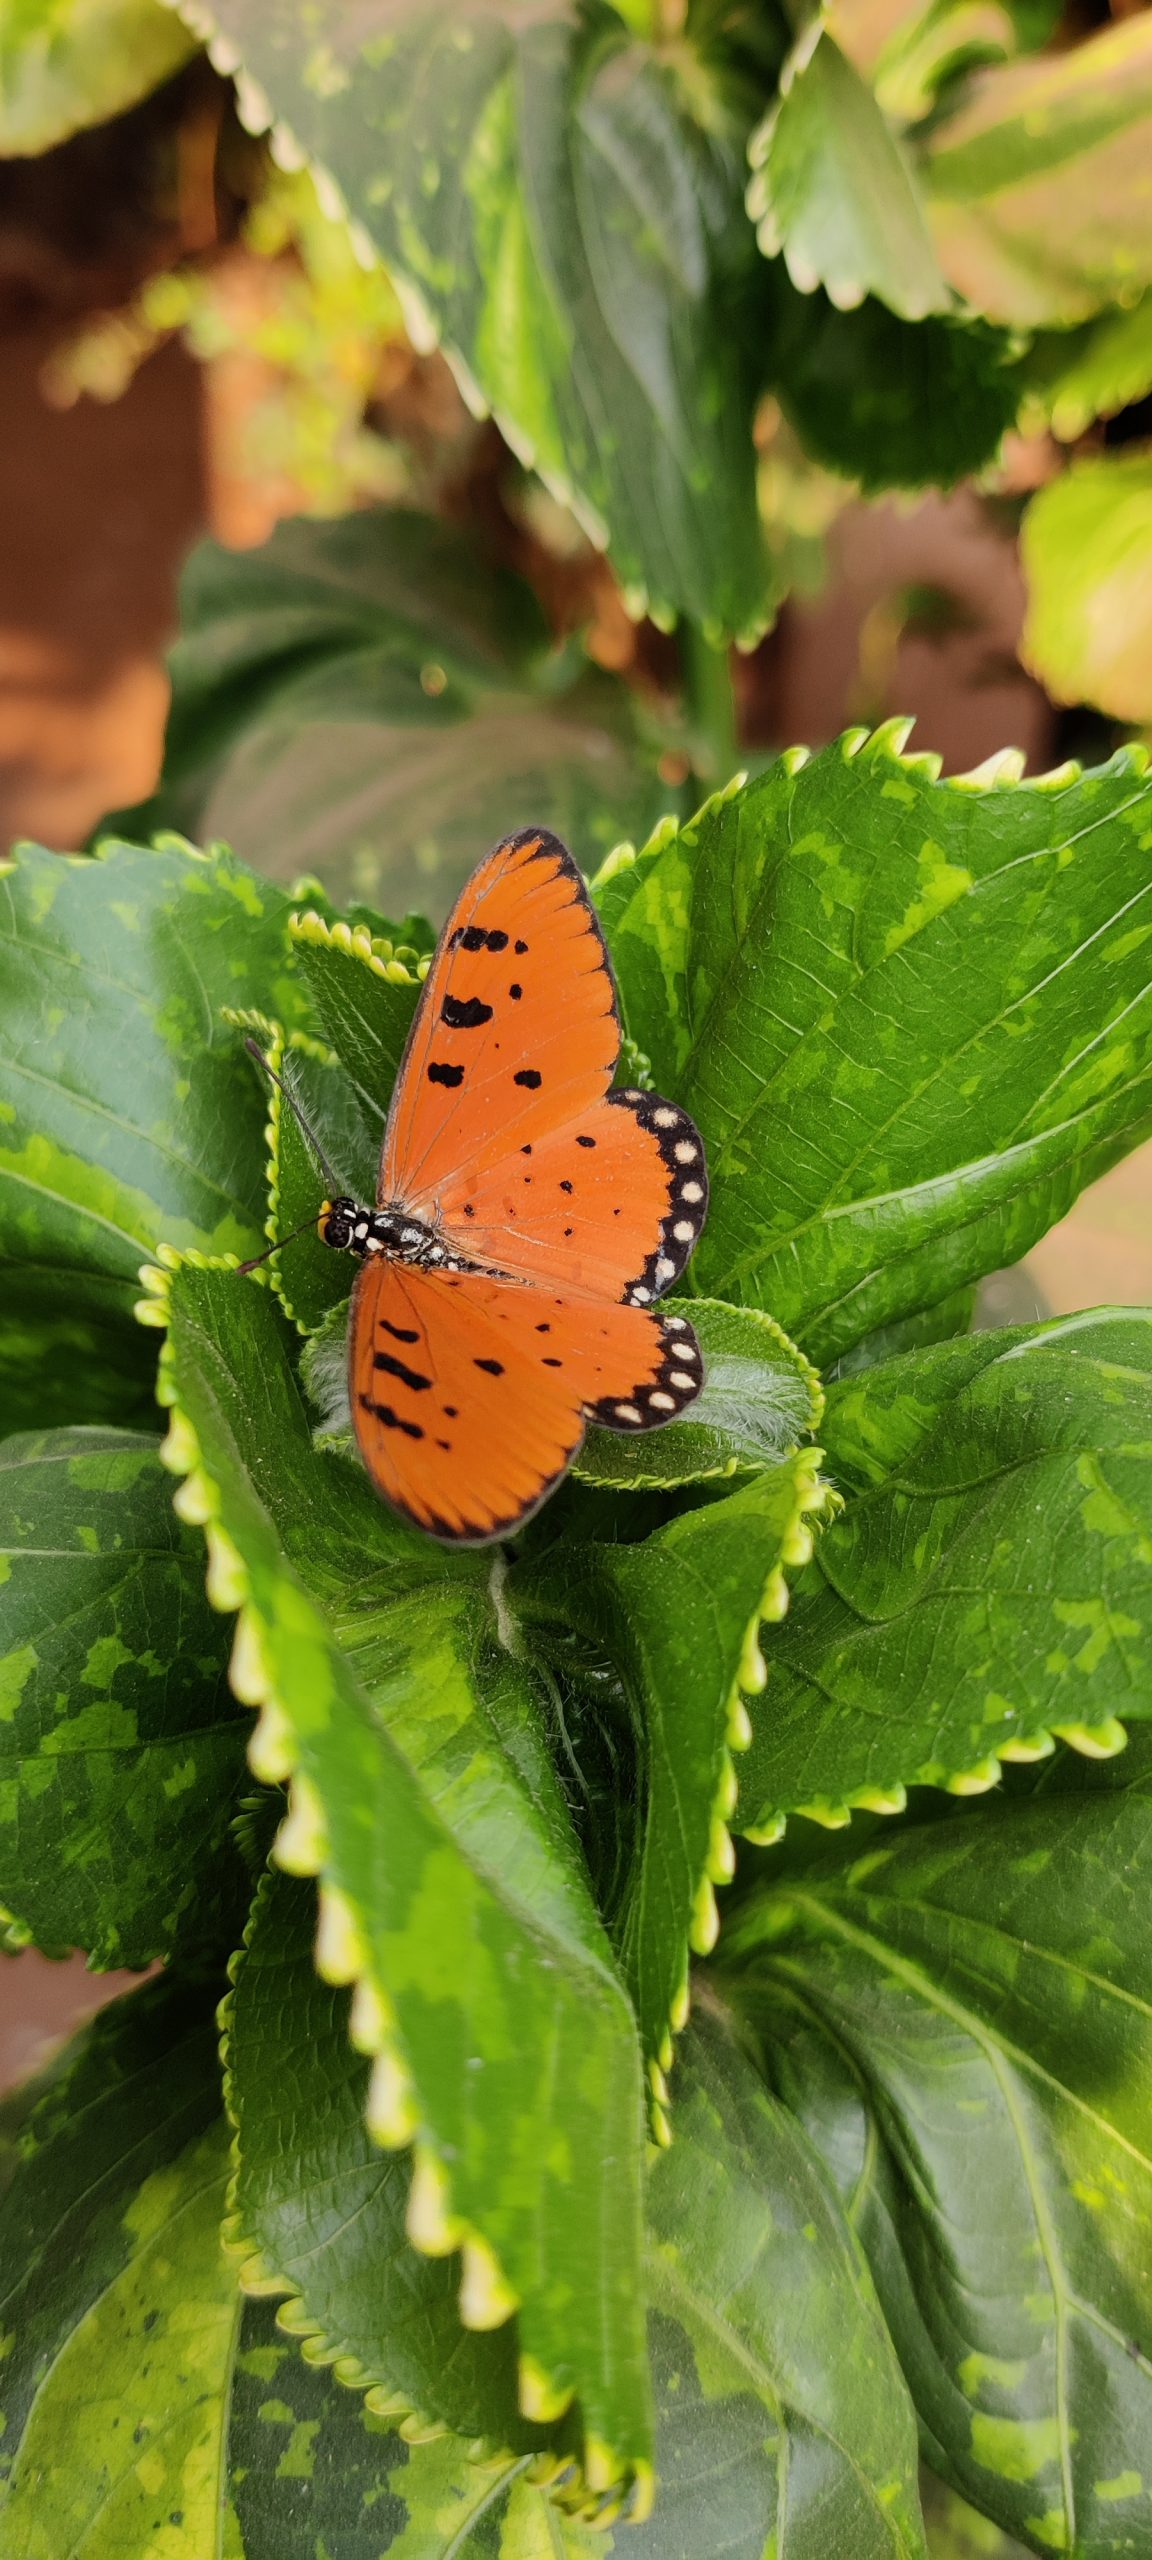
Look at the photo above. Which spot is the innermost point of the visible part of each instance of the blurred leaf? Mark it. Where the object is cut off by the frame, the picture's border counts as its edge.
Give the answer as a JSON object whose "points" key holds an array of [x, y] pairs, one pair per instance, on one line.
{"points": [[561, 204], [120, 2310], [909, 50], [960, 2019], [834, 191], [68, 64], [1038, 184], [63, 1359], [1071, 376], [990, 1584], [891, 403], [1087, 552], [121, 1749], [370, 698], [911, 1019], [127, 1109], [677, 1614], [424, 1792]]}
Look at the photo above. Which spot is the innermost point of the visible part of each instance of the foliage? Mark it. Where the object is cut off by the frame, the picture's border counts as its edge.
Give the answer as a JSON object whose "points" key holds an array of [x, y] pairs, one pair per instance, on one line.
{"points": [[539, 2235]]}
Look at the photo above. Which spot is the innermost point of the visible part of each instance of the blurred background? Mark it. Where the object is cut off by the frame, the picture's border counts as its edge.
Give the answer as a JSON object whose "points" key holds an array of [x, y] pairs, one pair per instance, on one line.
{"points": [[270, 574]]}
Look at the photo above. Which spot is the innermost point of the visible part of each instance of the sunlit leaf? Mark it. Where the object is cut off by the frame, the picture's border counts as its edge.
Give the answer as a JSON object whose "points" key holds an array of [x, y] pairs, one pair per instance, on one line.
{"points": [[1087, 553], [74, 63], [834, 191]]}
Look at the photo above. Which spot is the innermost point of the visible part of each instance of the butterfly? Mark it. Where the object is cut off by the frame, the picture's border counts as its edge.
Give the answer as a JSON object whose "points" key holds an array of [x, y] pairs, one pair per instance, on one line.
{"points": [[529, 1216]]}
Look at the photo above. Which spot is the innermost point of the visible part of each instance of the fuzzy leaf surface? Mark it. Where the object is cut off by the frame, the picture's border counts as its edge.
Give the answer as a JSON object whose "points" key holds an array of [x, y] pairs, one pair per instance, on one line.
{"points": [[1028, 139], [911, 1019], [121, 1747], [447, 1835], [563, 208], [960, 2018], [835, 192], [119, 2308], [77, 63], [1087, 555], [370, 698], [674, 1613], [990, 1583], [891, 403]]}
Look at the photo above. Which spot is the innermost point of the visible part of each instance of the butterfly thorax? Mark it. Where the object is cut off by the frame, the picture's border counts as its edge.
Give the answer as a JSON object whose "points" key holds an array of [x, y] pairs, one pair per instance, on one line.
{"points": [[350, 1228]]}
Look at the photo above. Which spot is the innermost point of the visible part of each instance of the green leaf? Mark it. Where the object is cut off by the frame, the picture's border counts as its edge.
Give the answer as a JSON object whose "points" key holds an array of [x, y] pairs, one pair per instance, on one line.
{"points": [[1030, 140], [1071, 376], [371, 698], [127, 1109], [320, 2208], [911, 1019], [772, 2362], [677, 1614], [835, 192], [119, 2310], [989, 1586], [776, 2384], [65, 1361], [1087, 554], [452, 1886], [960, 2018], [73, 63], [121, 1750], [911, 50], [560, 204], [891, 403]]}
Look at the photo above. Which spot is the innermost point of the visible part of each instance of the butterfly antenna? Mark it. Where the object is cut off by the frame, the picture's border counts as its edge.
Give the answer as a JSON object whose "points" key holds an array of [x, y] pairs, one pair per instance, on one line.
{"points": [[270, 1249], [331, 1177]]}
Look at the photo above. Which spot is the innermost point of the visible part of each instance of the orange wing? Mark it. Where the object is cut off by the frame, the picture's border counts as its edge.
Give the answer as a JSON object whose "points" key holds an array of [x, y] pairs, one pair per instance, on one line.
{"points": [[470, 1393], [517, 1028], [504, 1133]]}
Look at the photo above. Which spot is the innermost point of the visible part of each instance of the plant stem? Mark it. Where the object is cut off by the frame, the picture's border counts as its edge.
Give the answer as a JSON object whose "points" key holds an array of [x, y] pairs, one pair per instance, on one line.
{"points": [[711, 707]]}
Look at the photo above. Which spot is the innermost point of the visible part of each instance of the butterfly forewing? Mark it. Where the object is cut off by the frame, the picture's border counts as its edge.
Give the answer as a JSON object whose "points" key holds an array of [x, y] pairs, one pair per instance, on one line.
{"points": [[517, 1031], [470, 1392]]}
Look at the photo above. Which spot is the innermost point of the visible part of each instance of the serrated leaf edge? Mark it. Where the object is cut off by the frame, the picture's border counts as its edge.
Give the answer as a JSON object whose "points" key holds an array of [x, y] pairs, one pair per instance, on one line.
{"points": [[725, 1467], [485, 2298]]}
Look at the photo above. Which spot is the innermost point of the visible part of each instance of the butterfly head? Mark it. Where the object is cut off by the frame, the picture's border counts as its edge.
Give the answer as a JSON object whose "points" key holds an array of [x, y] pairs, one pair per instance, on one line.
{"points": [[337, 1223]]}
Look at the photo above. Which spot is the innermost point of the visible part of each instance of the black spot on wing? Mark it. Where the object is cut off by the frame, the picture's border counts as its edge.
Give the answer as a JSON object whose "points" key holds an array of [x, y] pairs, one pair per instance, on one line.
{"points": [[394, 1368], [528, 1076], [585, 1142], [477, 937], [495, 1368], [515, 991], [464, 1013], [438, 1073], [399, 1332], [392, 1420]]}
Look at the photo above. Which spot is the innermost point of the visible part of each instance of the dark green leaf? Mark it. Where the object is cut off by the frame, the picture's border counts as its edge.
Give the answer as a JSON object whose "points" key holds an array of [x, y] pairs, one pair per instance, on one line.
{"points": [[127, 1110], [66, 1361], [960, 2017], [561, 204], [119, 2310], [991, 1583], [371, 698], [311, 1278], [79, 62], [453, 1890], [320, 2207], [783, 2420], [678, 1615], [834, 189], [121, 1750], [912, 1018], [891, 403]]}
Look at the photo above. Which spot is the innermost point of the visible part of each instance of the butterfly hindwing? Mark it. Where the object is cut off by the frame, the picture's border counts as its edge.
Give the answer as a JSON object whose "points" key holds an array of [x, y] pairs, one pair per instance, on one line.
{"points": [[470, 1393], [517, 1030]]}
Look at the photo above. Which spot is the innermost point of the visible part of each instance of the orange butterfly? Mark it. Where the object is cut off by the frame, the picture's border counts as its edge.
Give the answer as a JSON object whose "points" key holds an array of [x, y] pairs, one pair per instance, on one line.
{"points": [[528, 1217]]}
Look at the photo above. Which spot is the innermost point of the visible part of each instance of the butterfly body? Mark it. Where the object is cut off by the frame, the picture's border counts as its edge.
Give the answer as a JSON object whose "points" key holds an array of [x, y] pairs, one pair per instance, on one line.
{"points": [[529, 1217]]}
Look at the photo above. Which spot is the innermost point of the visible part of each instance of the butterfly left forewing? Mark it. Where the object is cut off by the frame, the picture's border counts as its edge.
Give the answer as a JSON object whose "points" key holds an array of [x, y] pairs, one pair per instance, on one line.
{"points": [[517, 1028], [470, 1394]]}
